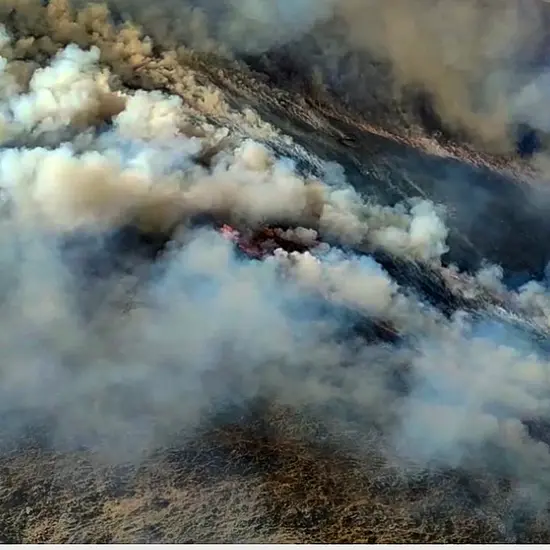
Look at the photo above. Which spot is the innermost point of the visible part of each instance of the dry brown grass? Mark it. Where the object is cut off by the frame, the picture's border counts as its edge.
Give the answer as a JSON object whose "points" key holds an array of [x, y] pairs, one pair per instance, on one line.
{"points": [[263, 479]]}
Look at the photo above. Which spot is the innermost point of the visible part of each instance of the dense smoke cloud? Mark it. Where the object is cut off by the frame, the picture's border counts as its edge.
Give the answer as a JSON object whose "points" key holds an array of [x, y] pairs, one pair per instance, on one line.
{"points": [[483, 78], [122, 358], [140, 169], [473, 58]]}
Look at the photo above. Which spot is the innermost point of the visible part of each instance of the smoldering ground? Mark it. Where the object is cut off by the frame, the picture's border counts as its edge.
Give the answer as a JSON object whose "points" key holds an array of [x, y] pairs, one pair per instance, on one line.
{"points": [[107, 351]]}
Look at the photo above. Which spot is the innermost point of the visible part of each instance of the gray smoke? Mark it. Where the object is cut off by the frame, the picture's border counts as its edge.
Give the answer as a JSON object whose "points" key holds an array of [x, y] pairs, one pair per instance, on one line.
{"points": [[479, 74], [124, 361]]}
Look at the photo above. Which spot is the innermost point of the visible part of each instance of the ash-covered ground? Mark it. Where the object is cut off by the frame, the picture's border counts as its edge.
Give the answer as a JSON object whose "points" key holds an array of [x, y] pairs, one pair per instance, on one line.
{"points": [[274, 272]]}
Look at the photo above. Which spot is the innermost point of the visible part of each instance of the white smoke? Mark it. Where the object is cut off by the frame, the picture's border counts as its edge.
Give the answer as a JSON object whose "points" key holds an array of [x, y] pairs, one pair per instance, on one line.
{"points": [[83, 155]]}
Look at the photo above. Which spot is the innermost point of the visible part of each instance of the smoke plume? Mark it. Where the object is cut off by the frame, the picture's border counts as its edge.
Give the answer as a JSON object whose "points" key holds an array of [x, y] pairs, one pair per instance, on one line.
{"points": [[477, 74], [100, 133]]}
